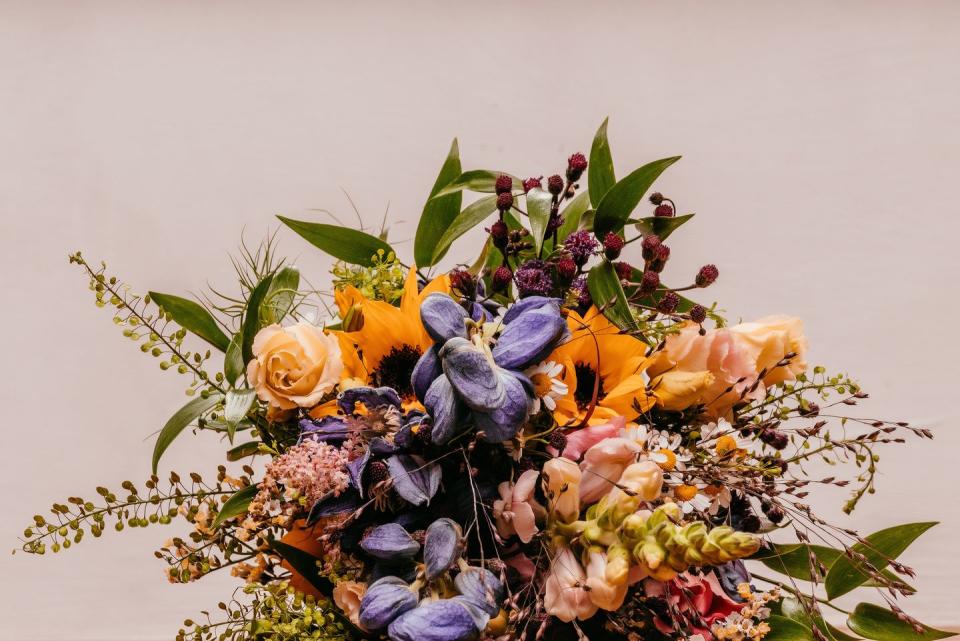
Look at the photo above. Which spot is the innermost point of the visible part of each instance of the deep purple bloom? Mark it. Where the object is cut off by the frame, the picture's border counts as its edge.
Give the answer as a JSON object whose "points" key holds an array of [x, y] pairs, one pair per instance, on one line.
{"points": [[581, 245], [443, 620], [533, 279]]}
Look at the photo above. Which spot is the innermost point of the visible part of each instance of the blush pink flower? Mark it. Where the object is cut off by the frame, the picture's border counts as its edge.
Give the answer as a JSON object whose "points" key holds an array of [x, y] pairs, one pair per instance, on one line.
{"points": [[603, 464], [517, 511], [566, 597], [581, 440]]}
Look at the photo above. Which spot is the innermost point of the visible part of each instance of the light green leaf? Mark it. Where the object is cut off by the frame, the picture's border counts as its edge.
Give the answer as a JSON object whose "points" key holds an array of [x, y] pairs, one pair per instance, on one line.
{"points": [[572, 214], [846, 575], [180, 420], [538, 211], [600, 175], [482, 180], [469, 218], [438, 213], [237, 504], [662, 226], [873, 622], [192, 317], [251, 318], [794, 609], [233, 365], [235, 408], [793, 559], [784, 629], [243, 450], [607, 294], [617, 204], [281, 295], [349, 245]]}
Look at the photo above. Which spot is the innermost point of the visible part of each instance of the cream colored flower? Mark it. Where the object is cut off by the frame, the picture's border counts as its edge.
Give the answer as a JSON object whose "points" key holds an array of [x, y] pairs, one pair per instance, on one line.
{"points": [[517, 511], [347, 595], [565, 596], [561, 484], [294, 366]]}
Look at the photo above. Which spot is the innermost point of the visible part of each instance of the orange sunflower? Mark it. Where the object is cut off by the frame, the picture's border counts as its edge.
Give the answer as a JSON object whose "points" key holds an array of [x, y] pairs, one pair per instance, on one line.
{"points": [[598, 349]]}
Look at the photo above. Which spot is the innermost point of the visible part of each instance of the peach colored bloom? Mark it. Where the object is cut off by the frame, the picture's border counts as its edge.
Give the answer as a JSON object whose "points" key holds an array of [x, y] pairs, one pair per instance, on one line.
{"points": [[294, 366], [347, 595], [565, 596], [517, 511], [579, 441], [561, 484], [766, 341], [603, 464]]}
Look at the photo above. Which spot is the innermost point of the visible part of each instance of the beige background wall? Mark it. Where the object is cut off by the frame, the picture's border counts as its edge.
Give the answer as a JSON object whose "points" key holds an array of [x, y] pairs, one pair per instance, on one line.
{"points": [[821, 144]]}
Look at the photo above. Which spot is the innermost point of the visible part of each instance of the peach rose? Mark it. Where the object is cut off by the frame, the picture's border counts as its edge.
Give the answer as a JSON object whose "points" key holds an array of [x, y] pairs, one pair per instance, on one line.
{"points": [[766, 341], [294, 366], [347, 595]]}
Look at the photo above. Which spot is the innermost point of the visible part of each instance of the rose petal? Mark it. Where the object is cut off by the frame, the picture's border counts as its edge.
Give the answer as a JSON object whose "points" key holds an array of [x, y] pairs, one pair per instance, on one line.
{"points": [[389, 542], [443, 318], [472, 375]]}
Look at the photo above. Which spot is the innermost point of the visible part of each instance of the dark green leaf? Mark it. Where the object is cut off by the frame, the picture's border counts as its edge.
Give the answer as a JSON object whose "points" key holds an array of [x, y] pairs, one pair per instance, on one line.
{"points": [[233, 365], [662, 226], [251, 318], [473, 215], [438, 213], [794, 609], [350, 245], [281, 295], [183, 417], [846, 575], [482, 180], [303, 564], [793, 560], [236, 505], [784, 629], [572, 214], [600, 176], [874, 622], [607, 294], [538, 211], [617, 204], [192, 317], [243, 450]]}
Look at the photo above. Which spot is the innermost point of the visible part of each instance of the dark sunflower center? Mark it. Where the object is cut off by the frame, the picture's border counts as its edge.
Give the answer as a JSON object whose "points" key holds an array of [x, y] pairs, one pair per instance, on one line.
{"points": [[396, 368], [586, 379]]}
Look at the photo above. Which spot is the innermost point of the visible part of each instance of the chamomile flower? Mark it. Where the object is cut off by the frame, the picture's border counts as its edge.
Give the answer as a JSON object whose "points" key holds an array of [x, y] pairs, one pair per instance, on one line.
{"points": [[690, 499], [548, 385]]}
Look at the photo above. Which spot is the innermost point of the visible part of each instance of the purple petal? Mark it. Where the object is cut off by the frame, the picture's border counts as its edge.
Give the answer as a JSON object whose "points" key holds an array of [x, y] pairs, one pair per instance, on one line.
{"points": [[389, 542], [426, 371], [445, 620], [414, 480], [482, 587], [731, 575], [527, 304], [385, 600], [382, 447], [371, 397], [529, 338], [446, 409], [328, 506], [443, 318], [502, 423], [355, 469], [472, 375], [324, 430], [441, 547], [479, 614]]}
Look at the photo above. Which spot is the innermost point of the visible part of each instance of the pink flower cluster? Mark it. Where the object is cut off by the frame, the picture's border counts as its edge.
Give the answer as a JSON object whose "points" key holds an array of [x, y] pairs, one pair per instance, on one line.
{"points": [[302, 475]]}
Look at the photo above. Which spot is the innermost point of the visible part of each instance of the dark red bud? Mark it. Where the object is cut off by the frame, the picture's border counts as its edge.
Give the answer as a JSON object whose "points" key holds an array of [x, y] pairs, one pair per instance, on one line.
{"points": [[664, 211], [612, 245], [505, 201], [669, 303], [624, 270], [649, 283], [501, 278], [555, 184], [566, 269], [698, 314], [576, 164], [649, 246], [532, 183], [656, 198], [707, 275], [504, 184]]}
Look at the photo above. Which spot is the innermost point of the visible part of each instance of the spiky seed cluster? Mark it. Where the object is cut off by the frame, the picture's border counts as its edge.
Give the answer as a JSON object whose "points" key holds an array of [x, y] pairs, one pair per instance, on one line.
{"points": [[566, 269], [698, 313], [660, 257], [649, 246], [502, 277], [555, 184], [649, 283], [707, 275], [576, 165], [656, 198], [499, 232], [624, 270], [503, 184], [663, 211], [533, 279], [464, 282], [532, 183], [612, 245], [580, 245], [668, 303], [504, 201]]}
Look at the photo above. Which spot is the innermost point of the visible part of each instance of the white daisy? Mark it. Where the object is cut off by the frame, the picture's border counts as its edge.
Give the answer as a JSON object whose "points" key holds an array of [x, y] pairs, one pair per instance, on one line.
{"points": [[547, 384]]}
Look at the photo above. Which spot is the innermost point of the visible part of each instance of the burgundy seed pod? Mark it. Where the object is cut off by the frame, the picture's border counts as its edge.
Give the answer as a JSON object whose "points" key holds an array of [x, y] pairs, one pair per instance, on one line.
{"points": [[501, 278], [612, 245], [532, 183], [624, 270], [566, 269], [576, 164], [558, 440], [660, 256], [669, 303], [698, 314], [555, 184], [656, 198], [499, 232], [505, 201], [503, 184], [649, 283], [707, 275], [649, 246], [664, 211], [464, 282]]}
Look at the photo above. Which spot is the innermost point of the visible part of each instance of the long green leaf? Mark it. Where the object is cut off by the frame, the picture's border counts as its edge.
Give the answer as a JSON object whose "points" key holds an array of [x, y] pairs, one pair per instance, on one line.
{"points": [[438, 213], [176, 424], [538, 211], [617, 204], [281, 296], [470, 217], [236, 505], [192, 317], [238, 402], [607, 294], [662, 226], [794, 560], [784, 629], [600, 175], [243, 450], [482, 180], [349, 245], [874, 622], [572, 214], [304, 564], [251, 318], [846, 575], [795, 609], [233, 365]]}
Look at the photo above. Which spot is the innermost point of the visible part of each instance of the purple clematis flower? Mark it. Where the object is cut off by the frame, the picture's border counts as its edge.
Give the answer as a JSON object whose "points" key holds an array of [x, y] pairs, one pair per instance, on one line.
{"points": [[464, 382]]}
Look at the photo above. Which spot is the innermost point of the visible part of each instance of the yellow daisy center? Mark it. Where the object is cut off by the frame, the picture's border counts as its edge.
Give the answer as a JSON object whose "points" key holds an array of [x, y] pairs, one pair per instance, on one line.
{"points": [[726, 444], [685, 492], [671, 461], [542, 384]]}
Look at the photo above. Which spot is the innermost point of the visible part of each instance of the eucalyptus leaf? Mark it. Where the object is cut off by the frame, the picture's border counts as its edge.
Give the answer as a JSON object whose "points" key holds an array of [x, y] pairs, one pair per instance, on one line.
{"points": [[662, 226], [874, 622], [607, 294], [281, 295], [572, 215], [617, 204], [482, 180], [233, 365], [846, 574], [251, 318], [193, 410], [600, 174], [193, 317], [470, 217], [349, 245], [438, 213], [237, 504], [538, 210]]}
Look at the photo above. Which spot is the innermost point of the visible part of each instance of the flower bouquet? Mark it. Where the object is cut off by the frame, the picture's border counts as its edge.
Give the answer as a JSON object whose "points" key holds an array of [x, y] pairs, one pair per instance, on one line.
{"points": [[547, 441]]}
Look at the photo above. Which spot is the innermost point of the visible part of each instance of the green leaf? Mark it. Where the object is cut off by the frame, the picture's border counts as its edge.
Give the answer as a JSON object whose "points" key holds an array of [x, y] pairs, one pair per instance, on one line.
{"points": [[303, 564], [176, 424], [281, 295], [236, 505], [600, 176], [438, 213], [233, 365], [482, 180], [243, 450], [192, 317], [235, 408], [662, 226], [846, 575], [685, 303], [794, 609], [572, 214], [469, 218], [793, 560], [607, 294], [874, 622], [617, 204], [538, 211], [784, 629], [349, 245], [251, 318]]}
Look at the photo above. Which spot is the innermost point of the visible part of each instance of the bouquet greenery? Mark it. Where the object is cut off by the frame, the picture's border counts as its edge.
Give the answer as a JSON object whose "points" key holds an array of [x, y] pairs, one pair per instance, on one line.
{"points": [[547, 441]]}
